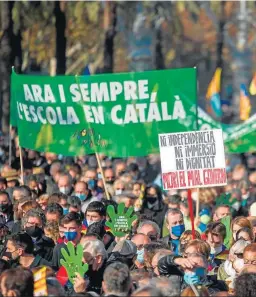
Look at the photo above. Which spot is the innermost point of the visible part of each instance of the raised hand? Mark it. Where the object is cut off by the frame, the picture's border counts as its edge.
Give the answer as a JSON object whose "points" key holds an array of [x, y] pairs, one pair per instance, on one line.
{"points": [[73, 261], [120, 223]]}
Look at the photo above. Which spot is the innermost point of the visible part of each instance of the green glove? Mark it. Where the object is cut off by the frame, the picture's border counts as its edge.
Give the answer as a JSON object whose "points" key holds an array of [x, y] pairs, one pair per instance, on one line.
{"points": [[120, 223], [73, 261]]}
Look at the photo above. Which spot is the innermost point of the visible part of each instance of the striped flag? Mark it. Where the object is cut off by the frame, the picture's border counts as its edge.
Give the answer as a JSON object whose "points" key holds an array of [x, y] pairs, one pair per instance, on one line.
{"points": [[213, 93], [245, 103]]}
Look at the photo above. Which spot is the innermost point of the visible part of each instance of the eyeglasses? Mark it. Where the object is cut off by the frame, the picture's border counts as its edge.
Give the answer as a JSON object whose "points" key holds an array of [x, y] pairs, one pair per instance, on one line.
{"points": [[253, 262]]}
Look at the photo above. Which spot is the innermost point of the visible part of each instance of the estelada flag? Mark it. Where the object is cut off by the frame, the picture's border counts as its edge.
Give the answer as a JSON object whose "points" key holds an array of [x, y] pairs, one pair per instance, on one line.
{"points": [[252, 88], [214, 86], [245, 103], [40, 286]]}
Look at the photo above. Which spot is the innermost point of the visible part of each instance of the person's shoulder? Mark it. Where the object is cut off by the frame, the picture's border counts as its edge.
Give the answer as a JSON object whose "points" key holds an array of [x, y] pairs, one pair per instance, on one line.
{"points": [[59, 246], [47, 241]]}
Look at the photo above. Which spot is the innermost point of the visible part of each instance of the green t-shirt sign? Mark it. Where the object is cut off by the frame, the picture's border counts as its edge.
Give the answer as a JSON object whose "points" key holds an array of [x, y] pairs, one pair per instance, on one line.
{"points": [[117, 114]]}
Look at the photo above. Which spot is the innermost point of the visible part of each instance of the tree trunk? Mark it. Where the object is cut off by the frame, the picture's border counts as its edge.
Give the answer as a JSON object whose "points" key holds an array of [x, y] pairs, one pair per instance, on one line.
{"points": [[159, 57], [110, 34], [61, 41], [7, 59]]}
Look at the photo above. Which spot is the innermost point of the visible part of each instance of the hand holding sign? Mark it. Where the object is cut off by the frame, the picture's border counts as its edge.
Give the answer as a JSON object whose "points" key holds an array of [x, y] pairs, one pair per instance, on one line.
{"points": [[73, 261], [120, 223]]}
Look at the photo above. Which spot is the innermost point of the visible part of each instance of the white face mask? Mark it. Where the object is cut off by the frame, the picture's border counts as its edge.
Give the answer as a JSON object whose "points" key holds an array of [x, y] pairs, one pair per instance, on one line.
{"points": [[118, 192], [216, 250], [89, 223], [65, 190]]}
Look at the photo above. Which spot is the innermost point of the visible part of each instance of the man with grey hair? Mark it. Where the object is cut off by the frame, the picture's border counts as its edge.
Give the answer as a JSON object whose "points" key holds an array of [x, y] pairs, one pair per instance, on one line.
{"points": [[33, 224], [117, 280], [65, 183], [95, 255], [169, 287], [175, 224], [149, 228], [21, 192]]}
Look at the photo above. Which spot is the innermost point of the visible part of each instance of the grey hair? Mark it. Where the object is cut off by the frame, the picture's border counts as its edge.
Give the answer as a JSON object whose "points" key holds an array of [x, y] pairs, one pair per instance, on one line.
{"points": [[24, 190], [34, 213], [151, 223], [95, 248], [168, 287], [173, 211], [151, 290], [70, 179], [117, 279]]}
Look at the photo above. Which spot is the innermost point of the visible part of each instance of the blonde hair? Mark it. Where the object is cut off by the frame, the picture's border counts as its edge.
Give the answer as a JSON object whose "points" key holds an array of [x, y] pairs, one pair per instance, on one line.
{"points": [[202, 247], [187, 236], [207, 195], [53, 230], [26, 206], [241, 222], [43, 198], [202, 292]]}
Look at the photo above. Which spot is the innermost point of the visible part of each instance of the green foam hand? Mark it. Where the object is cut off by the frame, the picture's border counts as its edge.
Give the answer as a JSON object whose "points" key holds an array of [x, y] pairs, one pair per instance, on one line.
{"points": [[120, 223], [73, 261]]}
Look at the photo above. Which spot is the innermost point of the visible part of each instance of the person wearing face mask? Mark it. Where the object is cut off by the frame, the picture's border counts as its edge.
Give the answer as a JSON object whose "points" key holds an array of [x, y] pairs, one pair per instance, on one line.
{"points": [[95, 255], [6, 210], [72, 227], [234, 264], [175, 225], [140, 240], [191, 269], [33, 224], [65, 183], [20, 248], [153, 205], [81, 190], [216, 233], [95, 212]]}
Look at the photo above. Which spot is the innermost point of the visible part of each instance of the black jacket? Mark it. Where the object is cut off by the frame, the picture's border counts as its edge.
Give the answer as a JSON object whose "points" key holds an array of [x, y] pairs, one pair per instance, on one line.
{"points": [[16, 227], [57, 255], [168, 268], [95, 279], [39, 261], [7, 221], [44, 247], [157, 212]]}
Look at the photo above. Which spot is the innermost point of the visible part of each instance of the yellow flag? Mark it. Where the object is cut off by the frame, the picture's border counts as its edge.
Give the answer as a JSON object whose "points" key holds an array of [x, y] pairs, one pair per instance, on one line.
{"points": [[252, 88], [245, 104], [214, 86]]}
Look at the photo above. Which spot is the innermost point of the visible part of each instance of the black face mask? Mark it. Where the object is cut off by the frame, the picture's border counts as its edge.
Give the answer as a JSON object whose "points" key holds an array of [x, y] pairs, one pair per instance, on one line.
{"points": [[151, 199], [4, 208], [34, 231]]}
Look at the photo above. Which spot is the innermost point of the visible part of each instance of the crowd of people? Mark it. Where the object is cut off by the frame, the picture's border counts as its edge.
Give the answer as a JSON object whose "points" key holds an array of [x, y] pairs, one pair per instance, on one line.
{"points": [[64, 199]]}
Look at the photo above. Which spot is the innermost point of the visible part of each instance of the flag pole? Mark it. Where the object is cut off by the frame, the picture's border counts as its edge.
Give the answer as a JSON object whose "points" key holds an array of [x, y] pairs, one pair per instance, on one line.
{"points": [[21, 166], [102, 174], [10, 146], [197, 203]]}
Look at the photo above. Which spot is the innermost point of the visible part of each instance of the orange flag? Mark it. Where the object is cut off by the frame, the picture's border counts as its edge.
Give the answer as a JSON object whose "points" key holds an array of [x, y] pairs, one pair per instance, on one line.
{"points": [[245, 103], [214, 86]]}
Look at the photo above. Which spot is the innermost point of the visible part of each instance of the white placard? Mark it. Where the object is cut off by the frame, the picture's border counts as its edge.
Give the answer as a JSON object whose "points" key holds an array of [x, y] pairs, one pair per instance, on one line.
{"points": [[193, 159]]}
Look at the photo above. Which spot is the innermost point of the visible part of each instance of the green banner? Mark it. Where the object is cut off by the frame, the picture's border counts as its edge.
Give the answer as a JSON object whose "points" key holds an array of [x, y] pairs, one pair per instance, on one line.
{"points": [[115, 114]]}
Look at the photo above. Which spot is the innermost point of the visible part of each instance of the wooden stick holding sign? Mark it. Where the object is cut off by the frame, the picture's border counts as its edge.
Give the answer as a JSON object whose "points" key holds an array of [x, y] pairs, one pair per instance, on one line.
{"points": [[197, 202], [21, 166], [10, 145], [103, 177]]}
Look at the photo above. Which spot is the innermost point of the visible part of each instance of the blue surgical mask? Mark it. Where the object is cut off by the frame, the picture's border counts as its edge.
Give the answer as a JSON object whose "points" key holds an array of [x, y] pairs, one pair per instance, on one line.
{"points": [[82, 197], [92, 184], [195, 276], [70, 235], [140, 256], [178, 230], [65, 211]]}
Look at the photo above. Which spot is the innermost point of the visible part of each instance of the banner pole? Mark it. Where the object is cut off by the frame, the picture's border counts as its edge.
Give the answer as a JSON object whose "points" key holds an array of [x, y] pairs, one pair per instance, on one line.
{"points": [[197, 203], [21, 165], [191, 213], [102, 174], [10, 146]]}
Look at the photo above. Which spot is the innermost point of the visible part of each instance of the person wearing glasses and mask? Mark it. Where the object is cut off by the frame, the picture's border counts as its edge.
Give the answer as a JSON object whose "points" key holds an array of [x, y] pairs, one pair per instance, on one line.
{"points": [[191, 269]]}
